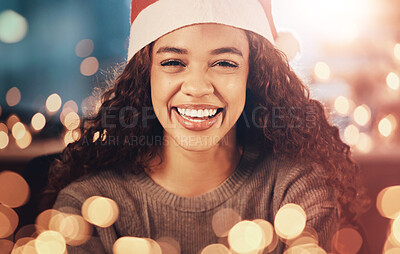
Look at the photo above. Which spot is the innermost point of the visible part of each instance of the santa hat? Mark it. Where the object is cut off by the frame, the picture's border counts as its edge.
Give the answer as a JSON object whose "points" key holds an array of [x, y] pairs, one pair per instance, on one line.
{"points": [[151, 19]]}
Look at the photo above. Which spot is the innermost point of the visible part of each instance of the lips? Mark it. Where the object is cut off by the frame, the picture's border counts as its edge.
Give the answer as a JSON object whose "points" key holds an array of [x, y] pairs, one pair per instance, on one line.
{"points": [[194, 121]]}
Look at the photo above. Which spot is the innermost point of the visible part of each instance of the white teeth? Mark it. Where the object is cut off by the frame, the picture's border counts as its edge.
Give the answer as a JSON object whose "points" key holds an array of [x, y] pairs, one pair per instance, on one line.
{"points": [[197, 113]]}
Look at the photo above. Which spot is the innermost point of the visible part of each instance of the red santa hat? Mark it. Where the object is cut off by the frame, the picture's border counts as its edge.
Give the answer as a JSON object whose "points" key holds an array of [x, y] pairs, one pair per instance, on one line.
{"points": [[151, 19]]}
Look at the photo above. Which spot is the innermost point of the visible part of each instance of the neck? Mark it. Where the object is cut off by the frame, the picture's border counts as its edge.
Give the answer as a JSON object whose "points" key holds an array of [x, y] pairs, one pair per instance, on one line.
{"points": [[192, 173]]}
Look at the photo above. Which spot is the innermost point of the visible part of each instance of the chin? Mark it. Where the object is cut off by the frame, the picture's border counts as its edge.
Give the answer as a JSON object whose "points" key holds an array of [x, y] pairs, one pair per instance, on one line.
{"points": [[197, 143]]}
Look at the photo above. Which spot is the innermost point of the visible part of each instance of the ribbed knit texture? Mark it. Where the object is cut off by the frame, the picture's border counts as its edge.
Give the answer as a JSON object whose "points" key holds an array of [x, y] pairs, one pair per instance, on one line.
{"points": [[259, 186]]}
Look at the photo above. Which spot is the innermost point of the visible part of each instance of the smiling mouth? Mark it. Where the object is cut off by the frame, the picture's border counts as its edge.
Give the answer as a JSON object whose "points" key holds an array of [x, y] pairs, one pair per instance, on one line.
{"points": [[197, 115]]}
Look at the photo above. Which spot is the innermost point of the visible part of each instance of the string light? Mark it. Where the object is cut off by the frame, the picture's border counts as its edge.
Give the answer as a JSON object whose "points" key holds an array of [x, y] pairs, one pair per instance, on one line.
{"points": [[53, 103], [290, 221], [89, 66], [38, 121], [342, 105], [322, 71], [13, 96], [362, 115], [84, 48], [393, 81], [100, 211], [3, 140]]}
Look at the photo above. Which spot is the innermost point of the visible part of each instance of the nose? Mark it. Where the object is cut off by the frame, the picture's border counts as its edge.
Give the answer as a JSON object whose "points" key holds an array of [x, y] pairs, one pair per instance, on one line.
{"points": [[197, 84]]}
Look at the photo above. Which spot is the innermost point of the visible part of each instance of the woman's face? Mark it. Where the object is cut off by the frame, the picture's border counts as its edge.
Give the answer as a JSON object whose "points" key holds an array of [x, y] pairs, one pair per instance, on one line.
{"points": [[198, 83]]}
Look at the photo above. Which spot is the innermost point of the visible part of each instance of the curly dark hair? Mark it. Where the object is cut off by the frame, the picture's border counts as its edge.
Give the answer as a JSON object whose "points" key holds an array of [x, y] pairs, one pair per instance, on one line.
{"points": [[278, 116]]}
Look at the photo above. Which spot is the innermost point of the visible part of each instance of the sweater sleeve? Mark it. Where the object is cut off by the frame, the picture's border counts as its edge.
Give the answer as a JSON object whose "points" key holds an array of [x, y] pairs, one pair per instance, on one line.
{"points": [[306, 186], [71, 205]]}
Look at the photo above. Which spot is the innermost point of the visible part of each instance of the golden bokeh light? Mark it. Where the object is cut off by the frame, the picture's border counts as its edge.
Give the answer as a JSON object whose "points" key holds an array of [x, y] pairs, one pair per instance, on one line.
{"points": [[365, 143], [84, 48], [290, 221], [387, 125], [50, 242], [25, 141], [38, 121], [308, 248], [3, 140], [128, 245], [100, 211], [322, 71], [71, 136], [53, 103], [74, 228], [390, 243], [396, 51], [19, 246], [223, 220], [43, 220], [11, 120], [71, 105], [18, 130], [6, 246], [268, 233], [8, 221], [362, 115], [3, 128], [393, 81], [13, 96], [216, 248], [351, 134], [96, 136], [246, 236], [26, 231], [89, 66], [342, 105], [393, 251], [14, 190], [13, 27], [396, 229], [387, 202], [72, 121], [169, 245], [29, 248], [308, 236], [347, 240]]}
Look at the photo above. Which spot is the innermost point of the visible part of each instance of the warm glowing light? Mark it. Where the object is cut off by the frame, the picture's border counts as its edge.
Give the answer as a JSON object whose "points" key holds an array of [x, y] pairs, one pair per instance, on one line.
{"points": [[127, 245], [73, 228], [387, 125], [13, 96], [29, 248], [53, 102], [246, 236], [308, 237], [309, 248], [347, 240], [392, 81], [14, 191], [364, 143], [3, 140], [362, 115], [3, 128], [169, 245], [38, 121], [268, 233], [387, 202], [6, 245], [396, 229], [100, 211], [96, 136], [322, 71], [19, 246], [396, 51], [215, 248], [43, 219], [351, 134], [71, 121], [84, 48], [8, 221], [26, 231], [50, 242], [71, 105], [11, 120], [342, 105], [393, 251], [72, 136], [13, 27], [25, 141], [89, 66], [18, 130], [224, 220], [290, 221]]}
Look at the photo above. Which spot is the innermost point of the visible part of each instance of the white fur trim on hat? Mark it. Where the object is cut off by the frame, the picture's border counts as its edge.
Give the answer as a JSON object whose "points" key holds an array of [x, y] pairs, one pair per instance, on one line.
{"points": [[287, 43], [165, 16]]}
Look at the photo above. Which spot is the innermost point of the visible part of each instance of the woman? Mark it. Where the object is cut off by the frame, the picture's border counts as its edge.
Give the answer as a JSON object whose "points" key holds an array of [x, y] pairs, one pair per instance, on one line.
{"points": [[206, 115]]}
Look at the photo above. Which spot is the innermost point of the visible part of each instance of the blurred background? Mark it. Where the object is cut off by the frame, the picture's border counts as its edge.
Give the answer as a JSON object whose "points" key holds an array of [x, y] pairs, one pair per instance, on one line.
{"points": [[53, 53]]}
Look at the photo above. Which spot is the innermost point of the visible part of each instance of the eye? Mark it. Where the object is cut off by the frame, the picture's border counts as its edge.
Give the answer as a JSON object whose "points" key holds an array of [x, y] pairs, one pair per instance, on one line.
{"points": [[226, 64], [172, 63]]}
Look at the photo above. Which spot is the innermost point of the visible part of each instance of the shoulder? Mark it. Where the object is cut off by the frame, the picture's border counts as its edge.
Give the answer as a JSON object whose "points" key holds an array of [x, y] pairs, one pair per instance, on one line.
{"points": [[106, 183]]}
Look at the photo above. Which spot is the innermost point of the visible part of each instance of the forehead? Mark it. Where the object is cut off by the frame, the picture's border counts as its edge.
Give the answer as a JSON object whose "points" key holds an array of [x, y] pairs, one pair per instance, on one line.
{"points": [[205, 36]]}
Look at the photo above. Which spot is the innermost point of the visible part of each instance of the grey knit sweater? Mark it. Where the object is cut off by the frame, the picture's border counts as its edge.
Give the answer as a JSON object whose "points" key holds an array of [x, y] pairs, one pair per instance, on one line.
{"points": [[259, 186]]}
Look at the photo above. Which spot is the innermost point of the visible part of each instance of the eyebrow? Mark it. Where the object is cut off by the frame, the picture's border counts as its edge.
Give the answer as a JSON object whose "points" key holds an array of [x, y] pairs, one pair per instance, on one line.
{"points": [[218, 51]]}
